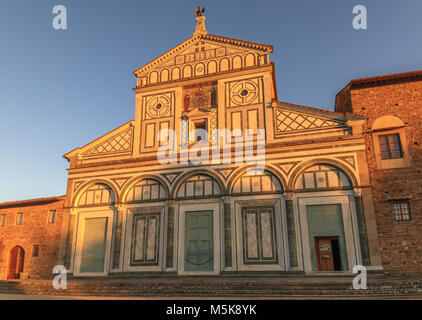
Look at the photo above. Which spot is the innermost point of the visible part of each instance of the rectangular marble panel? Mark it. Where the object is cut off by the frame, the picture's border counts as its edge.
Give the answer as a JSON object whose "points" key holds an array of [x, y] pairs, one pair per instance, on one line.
{"points": [[266, 234], [190, 189], [252, 237], [256, 183], [332, 179], [89, 197], [138, 193], [150, 135], [321, 180], [152, 237], [266, 183], [139, 239], [154, 191], [246, 184], [208, 187], [309, 180]]}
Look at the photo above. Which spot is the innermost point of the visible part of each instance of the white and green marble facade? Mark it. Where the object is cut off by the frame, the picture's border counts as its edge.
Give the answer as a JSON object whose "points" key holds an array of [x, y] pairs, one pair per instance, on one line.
{"points": [[259, 223]]}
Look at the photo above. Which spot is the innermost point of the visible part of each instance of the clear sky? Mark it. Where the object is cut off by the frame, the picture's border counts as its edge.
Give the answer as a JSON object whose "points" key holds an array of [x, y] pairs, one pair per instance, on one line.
{"points": [[62, 89]]}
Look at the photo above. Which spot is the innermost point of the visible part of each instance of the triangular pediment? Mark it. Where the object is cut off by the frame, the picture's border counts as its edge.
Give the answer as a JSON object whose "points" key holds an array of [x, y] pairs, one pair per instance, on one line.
{"points": [[196, 53], [117, 141], [197, 113]]}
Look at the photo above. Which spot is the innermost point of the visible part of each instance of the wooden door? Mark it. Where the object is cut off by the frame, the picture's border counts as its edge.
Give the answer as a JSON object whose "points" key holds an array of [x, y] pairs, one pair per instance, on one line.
{"points": [[16, 260], [324, 253], [199, 247]]}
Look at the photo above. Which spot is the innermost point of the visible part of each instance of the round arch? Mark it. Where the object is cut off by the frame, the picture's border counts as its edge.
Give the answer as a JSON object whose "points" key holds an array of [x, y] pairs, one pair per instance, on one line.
{"points": [[387, 122], [84, 187], [239, 173], [129, 185], [236, 174], [16, 262], [178, 183], [302, 167]]}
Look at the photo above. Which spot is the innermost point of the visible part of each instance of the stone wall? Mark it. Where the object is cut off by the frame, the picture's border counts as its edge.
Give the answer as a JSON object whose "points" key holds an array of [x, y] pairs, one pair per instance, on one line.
{"points": [[400, 242], [35, 230]]}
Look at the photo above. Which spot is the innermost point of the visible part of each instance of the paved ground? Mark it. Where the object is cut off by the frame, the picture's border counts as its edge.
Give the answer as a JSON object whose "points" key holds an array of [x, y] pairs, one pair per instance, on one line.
{"points": [[41, 297]]}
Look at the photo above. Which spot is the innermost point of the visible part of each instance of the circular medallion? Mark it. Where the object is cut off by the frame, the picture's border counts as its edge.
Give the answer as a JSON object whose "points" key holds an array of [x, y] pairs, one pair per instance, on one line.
{"points": [[244, 92], [158, 106]]}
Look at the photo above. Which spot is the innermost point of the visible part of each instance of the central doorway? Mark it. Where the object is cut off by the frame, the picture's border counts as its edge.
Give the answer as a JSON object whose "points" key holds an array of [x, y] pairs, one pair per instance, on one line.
{"points": [[199, 242], [327, 241]]}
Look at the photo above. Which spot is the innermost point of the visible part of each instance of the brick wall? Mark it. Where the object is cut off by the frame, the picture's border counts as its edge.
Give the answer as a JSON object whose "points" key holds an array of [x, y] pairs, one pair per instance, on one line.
{"points": [[35, 230], [400, 242]]}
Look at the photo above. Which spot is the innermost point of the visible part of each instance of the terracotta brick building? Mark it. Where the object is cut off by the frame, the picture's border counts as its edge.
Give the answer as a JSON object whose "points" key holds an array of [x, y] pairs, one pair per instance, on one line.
{"points": [[392, 105], [30, 237]]}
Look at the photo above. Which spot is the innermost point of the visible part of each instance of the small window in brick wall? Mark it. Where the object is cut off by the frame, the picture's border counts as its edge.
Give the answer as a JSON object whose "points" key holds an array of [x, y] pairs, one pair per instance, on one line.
{"points": [[51, 216], [2, 220], [390, 146], [401, 210], [19, 218], [35, 251]]}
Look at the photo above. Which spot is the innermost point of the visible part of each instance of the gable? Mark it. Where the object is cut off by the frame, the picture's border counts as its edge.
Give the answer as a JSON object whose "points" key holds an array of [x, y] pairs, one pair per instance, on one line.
{"points": [[201, 55], [116, 142], [120, 142]]}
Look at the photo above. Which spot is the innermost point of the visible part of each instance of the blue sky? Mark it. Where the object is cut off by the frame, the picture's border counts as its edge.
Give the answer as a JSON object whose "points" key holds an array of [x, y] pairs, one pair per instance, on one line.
{"points": [[62, 89]]}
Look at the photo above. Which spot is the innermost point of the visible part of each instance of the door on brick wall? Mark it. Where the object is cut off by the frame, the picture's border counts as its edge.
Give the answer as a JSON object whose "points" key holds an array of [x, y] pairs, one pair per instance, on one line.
{"points": [[16, 260]]}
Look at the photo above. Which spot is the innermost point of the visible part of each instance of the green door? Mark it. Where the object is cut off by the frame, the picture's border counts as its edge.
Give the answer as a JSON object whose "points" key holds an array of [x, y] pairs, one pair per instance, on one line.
{"points": [[326, 221], [199, 248], [94, 245]]}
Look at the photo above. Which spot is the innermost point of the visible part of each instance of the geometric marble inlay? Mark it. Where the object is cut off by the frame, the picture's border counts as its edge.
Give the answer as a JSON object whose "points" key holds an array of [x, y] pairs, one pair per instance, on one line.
{"points": [[118, 143], [291, 121]]}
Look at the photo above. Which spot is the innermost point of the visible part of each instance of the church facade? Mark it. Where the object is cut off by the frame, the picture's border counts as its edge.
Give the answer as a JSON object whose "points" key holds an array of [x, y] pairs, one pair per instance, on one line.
{"points": [[216, 176], [220, 195]]}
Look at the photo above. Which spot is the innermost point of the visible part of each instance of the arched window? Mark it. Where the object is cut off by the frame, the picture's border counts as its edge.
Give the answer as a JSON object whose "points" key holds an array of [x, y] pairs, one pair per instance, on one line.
{"points": [[16, 260], [146, 190], [199, 186], [323, 176], [390, 143], [97, 195], [257, 181]]}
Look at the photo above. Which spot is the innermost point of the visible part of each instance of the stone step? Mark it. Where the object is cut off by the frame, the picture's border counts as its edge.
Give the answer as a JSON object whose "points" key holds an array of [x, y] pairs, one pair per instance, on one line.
{"points": [[201, 287], [217, 292]]}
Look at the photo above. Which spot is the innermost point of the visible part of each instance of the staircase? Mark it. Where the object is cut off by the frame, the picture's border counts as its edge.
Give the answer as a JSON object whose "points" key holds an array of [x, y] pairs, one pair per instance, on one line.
{"points": [[265, 287]]}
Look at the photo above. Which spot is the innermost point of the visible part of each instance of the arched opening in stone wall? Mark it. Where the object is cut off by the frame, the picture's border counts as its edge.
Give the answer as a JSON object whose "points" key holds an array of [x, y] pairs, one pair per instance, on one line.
{"points": [[16, 263]]}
